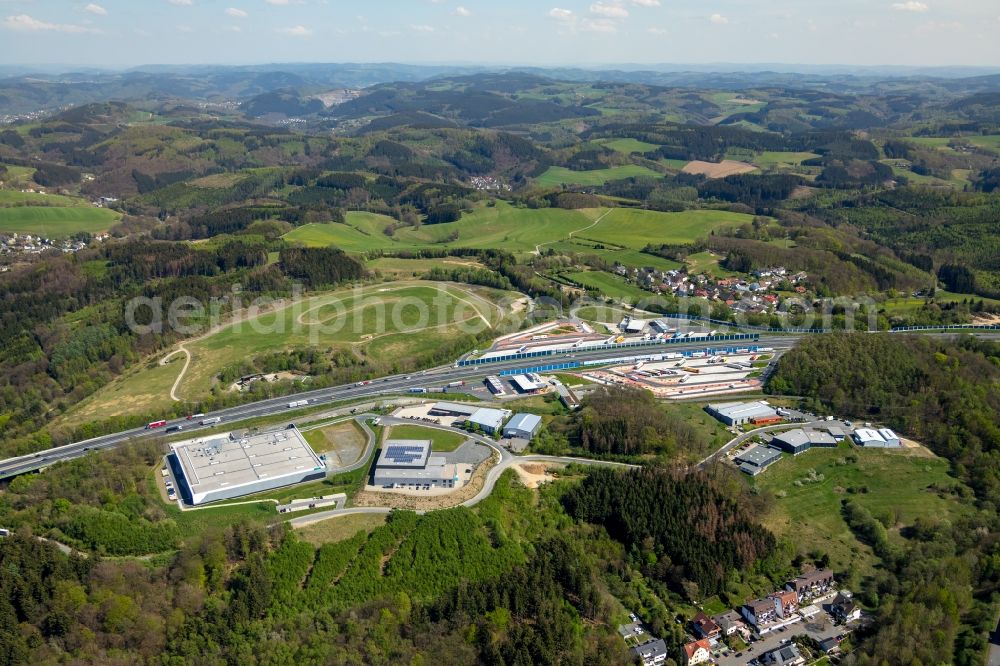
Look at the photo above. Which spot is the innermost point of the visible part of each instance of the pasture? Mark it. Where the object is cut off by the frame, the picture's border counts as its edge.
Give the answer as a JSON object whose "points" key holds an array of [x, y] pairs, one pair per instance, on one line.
{"points": [[635, 229], [557, 176], [893, 485], [627, 146], [51, 215], [718, 169]]}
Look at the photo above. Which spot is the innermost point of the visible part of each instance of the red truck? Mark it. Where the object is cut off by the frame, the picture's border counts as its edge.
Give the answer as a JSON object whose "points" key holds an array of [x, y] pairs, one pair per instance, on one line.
{"points": [[155, 424]]}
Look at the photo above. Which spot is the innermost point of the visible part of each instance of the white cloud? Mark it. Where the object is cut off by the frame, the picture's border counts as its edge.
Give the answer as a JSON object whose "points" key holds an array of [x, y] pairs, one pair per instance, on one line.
{"points": [[25, 23], [278, 2], [598, 25], [646, 3], [236, 13], [609, 10], [910, 6], [718, 19], [96, 9], [422, 28], [296, 31], [182, 3], [233, 28], [561, 14], [462, 11]]}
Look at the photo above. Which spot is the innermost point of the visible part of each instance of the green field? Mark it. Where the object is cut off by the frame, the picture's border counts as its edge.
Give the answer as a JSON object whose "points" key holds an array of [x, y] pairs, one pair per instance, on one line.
{"points": [[628, 146], [988, 141], [707, 262], [442, 441], [888, 483], [610, 285], [51, 215], [773, 159], [618, 235], [556, 176], [635, 229], [399, 320]]}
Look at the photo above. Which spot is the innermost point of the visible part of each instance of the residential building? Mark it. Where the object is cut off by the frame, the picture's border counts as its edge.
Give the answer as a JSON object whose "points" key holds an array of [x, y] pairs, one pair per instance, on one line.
{"points": [[738, 413], [756, 460], [786, 655], [652, 652], [759, 611], [523, 426], [811, 584], [705, 627], [844, 609], [697, 652], [218, 467], [730, 623], [785, 604]]}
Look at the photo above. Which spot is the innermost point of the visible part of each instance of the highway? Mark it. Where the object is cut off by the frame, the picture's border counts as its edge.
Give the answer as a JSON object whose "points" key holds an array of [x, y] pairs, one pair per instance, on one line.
{"points": [[398, 384]]}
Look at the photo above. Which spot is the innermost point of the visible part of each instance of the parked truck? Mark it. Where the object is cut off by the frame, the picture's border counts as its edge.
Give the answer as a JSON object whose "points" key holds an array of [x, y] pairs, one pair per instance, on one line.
{"points": [[418, 390], [456, 384]]}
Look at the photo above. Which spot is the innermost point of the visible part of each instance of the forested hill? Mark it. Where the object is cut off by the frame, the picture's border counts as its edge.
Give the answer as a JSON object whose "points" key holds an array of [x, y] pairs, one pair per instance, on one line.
{"points": [[946, 395]]}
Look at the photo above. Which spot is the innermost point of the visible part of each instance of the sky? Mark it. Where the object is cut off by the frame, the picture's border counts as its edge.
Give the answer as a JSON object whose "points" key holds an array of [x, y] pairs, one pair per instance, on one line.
{"points": [[126, 33]]}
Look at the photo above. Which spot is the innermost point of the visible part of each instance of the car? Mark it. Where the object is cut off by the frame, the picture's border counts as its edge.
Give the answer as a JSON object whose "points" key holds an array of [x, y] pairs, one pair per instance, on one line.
{"points": [[739, 654]]}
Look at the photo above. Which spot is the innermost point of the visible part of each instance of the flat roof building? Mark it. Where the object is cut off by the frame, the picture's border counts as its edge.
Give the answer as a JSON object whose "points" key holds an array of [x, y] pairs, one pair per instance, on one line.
{"points": [[408, 463], [799, 440], [738, 413], [756, 460], [523, 384], [523, 426], [876, 439], [452, 409], [222, 467], [489, 420]]}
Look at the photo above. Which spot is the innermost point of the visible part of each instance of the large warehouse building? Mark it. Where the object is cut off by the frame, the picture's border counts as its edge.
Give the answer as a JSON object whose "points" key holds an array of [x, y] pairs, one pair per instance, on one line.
{"points": [[756, 460], [523, 426], [876, 439], [226, 466], [738, 413], [408, 463], [799, 440], [489, 420]]}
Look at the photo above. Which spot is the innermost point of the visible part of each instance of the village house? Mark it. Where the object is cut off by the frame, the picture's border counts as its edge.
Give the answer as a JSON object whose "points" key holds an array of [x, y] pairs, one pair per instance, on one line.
{"points": [[705, 627], [812, 584], [697, 652]]}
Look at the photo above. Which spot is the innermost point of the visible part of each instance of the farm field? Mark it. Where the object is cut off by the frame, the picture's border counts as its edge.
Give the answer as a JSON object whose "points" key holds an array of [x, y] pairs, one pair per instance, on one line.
{"points": [[51, 215], [416, 318], [397, 268], [718, 169], [556, 176], [707, 262], [893, 485], [442, 441], [988, 141]]}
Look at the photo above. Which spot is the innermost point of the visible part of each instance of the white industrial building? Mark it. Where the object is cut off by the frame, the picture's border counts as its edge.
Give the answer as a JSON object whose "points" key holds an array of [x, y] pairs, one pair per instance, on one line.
{"points": [[523, 426], [489, 420], [524, 384], [633, 325], [870, 438], [222, 467], [408, 463], [738, 413]]}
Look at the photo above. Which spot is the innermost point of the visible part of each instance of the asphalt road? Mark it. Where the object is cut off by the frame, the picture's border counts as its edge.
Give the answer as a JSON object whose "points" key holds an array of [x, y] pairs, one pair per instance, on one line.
{"points": [[430, 379], [492, 476], [397, 384]]}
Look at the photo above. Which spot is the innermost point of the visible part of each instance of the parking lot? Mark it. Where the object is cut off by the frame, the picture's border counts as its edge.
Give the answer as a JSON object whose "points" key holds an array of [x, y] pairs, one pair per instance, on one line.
{"points": [[820, 627]]}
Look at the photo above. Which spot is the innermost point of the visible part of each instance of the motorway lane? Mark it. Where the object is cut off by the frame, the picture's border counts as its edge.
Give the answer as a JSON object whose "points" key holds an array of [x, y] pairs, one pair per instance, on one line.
{"points": [[430, 379]]}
